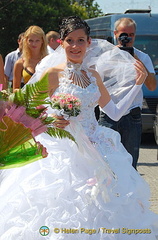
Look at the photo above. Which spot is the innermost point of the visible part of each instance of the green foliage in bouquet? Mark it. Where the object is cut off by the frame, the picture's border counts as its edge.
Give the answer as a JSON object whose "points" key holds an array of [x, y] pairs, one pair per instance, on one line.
{"points": [[60, 133], [22, 117], [21, 155], [34, 95], [4, 94], [18, 146]]}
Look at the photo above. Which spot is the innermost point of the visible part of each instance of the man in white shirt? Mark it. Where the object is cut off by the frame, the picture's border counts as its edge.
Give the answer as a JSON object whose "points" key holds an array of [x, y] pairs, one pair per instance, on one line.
{"points": [[130, 125], [10, 60], [53, 40]]}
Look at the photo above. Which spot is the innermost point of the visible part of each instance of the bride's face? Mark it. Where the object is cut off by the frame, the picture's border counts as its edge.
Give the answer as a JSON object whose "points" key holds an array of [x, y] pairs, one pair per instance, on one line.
{"points": [[75, 45]]}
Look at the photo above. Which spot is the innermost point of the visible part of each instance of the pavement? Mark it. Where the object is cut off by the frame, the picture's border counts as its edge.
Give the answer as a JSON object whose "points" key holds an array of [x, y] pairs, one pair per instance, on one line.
{"points": [[148, 168]]}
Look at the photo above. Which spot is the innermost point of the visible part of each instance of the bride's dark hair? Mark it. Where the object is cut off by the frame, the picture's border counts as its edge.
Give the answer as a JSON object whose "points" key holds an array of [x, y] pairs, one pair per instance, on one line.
{"points": [[71, 24]]}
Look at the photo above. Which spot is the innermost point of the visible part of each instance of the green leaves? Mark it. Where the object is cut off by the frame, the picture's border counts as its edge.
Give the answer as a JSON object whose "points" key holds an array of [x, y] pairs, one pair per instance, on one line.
{"points": [[60, 133], [21, 155], [44, 13], [32, 95], [17, 129]]}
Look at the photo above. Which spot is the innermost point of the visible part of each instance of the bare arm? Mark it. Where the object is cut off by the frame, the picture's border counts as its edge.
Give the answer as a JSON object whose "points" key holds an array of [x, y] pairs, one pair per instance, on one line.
{"points": [[6, 80], [150, 81], [2, 78], [53, 76], [52, 79], [17, 74]]}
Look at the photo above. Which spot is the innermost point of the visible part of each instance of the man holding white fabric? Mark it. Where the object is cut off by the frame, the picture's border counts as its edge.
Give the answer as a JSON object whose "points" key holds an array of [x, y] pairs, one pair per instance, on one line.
{"points": [[130, 125]]}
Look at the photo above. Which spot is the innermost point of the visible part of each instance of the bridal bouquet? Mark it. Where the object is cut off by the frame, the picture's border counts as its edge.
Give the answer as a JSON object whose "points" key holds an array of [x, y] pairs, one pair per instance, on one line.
{"points": [[23, 116], [67, 104]]}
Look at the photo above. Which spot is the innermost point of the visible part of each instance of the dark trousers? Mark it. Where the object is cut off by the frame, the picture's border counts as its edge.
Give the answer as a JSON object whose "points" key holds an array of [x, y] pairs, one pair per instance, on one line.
{"points": [[130, 129]]}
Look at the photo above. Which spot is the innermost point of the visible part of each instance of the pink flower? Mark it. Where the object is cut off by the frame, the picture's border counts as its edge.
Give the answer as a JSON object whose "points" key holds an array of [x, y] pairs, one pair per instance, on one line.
{"points": [[58, 41], [41, 107], [91, 181], [70, 106], [67, 102], [69, 99], [19, 115], [62, 102], [1, 87], [78, 104]]}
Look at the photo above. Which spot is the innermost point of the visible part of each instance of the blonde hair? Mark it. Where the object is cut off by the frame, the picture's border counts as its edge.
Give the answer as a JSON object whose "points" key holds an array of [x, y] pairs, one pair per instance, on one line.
{"points": [[26, 53]]}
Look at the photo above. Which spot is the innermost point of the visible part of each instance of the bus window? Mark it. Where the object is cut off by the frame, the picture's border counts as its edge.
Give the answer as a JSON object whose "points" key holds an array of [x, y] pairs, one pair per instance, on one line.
{"points": [[149, 45]]}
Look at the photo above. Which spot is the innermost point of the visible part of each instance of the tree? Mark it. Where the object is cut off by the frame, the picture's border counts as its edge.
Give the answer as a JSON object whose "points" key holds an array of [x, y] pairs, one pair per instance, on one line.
{"points": [[90, 8], [17, 15]]}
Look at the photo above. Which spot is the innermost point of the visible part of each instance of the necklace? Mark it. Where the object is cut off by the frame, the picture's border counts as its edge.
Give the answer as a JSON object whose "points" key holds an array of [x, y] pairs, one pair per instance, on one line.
{"points": [[77, 73]]}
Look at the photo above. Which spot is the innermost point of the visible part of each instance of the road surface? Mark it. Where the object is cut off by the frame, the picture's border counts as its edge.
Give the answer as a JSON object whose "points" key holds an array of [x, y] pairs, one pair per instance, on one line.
{"points": [[148, 167]]}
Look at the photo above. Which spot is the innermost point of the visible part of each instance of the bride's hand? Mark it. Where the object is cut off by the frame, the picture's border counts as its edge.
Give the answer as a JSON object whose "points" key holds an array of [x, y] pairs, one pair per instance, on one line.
{"points": [[60, 122], [141, 72]]}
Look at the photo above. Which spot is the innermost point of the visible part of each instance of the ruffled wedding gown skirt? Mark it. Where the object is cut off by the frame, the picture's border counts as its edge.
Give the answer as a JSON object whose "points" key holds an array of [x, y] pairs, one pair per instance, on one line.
{"points": [[74, 189], [86, 190]]}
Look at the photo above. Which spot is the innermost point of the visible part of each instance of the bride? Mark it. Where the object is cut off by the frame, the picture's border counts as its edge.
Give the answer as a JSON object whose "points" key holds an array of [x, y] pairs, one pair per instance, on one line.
{"points": [[83, 190]]}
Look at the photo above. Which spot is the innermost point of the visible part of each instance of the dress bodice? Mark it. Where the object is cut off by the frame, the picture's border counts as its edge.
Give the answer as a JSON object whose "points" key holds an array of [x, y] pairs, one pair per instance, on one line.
{"points": [[88, 96], [26, 74]]}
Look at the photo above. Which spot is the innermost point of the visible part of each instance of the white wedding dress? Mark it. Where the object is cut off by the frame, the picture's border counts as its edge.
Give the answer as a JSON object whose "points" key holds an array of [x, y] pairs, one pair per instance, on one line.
{"points": [[86, 190]]}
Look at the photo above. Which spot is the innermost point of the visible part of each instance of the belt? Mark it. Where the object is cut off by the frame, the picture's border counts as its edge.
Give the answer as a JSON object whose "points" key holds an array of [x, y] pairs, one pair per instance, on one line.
{"points": [[135, 111]]}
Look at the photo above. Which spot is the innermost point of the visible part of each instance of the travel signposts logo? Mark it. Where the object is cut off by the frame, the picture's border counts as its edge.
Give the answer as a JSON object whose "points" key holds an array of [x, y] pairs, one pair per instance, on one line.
{"points": [[44, 230]]}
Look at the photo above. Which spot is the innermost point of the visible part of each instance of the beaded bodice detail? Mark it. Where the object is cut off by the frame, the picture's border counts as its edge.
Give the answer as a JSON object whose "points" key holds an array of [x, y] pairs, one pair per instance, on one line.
{"points": [[78, 75], [78, 80]]}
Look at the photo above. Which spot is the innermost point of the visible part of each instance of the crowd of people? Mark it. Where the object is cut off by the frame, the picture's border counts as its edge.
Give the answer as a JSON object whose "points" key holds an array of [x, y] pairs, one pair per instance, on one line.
{"points": [[19, 65], [36, 45], [89, 184]]}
